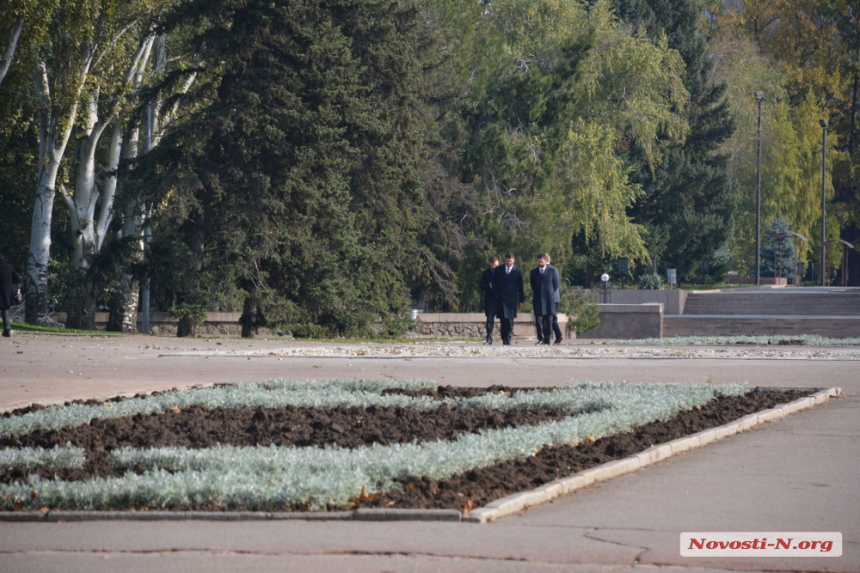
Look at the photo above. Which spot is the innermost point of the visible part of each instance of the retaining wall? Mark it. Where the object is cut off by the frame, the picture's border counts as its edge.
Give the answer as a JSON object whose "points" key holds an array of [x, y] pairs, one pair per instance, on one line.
{"points": [[626, 321]]}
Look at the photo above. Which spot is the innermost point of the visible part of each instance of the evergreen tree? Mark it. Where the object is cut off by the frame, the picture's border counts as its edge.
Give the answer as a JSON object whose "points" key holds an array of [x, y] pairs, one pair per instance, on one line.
{"points": [[299, 175], [688, 206]]}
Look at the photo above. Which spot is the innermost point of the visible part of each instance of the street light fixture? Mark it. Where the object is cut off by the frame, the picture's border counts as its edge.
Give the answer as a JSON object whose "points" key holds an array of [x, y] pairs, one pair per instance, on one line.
{"points": [[759, 97], [823, 124]]}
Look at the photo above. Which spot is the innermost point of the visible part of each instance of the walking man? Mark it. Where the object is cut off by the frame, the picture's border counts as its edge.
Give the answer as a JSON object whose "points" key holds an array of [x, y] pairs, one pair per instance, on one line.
{"points": [[510, 295], [489, 298], [544, 281], [8, 285], [555, 328]]}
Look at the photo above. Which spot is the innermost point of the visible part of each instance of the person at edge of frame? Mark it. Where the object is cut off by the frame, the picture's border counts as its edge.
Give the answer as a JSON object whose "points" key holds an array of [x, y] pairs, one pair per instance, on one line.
{"points": [[555, 328], [510, 295], [8, 285], [489, 297], [544, 283]]}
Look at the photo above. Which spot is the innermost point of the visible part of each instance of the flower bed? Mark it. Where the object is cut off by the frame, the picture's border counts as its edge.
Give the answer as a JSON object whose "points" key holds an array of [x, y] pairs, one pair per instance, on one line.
{"points": [[307, 446]]}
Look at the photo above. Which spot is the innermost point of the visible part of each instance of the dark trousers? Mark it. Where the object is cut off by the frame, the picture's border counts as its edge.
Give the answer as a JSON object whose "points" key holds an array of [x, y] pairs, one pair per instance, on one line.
{"points": [[543, 325], [7, 318], [507, 329], [556, 329], [491, 324]]}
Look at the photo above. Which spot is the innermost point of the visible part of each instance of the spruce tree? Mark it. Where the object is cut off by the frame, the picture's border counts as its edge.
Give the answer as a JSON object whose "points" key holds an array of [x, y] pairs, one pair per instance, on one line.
{"points": [[299, 172], [688, 204]]}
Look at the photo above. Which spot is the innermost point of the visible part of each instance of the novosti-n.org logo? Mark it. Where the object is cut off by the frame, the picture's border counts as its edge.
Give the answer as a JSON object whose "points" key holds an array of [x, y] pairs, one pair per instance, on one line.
{"points": [[761, 544]]}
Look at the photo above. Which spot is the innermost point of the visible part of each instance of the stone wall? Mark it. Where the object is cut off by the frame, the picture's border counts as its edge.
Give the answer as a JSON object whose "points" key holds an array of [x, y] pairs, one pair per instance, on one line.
{"points": [[628, 321], [673, 301], [441, 325], [473, 325]]}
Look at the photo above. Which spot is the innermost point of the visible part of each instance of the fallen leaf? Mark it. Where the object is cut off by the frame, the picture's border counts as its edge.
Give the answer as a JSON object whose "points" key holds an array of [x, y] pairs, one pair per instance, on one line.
{"points": [[468, 507], [175, 409]]}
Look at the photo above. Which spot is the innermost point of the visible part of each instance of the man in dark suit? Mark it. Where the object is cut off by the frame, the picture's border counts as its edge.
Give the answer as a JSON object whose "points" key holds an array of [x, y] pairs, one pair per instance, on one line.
{"points": [[510, 295], [8, 288], [489, 298], [544, 281], [555, 328]]}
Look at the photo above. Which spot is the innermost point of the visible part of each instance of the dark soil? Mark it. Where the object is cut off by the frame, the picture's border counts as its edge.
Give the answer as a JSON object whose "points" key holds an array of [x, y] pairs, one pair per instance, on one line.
{"points": [[198, 427], [481, 486]]}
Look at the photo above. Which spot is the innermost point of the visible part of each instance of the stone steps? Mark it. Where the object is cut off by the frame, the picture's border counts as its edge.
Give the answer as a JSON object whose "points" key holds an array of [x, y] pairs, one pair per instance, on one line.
{"points": [[760, 325], [774, 303]]}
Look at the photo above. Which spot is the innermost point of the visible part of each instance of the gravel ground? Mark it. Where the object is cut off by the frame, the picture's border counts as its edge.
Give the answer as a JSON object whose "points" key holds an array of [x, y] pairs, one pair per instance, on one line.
{"points": [[466, 350]]}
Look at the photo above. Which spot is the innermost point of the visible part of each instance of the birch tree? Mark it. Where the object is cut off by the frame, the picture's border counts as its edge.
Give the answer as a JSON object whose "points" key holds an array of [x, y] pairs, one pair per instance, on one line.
{"points": [[11, 46], [163, 110], [59, 76], [92, 210]]}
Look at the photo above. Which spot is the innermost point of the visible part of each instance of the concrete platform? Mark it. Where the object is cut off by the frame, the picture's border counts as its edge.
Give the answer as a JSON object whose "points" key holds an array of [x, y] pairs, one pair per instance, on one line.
{"points": [[796, 474]]}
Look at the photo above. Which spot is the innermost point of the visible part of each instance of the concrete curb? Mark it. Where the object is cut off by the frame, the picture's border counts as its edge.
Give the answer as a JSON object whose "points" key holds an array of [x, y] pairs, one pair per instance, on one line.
{"points": [[63, 516], [493, 511], [519, 501]]}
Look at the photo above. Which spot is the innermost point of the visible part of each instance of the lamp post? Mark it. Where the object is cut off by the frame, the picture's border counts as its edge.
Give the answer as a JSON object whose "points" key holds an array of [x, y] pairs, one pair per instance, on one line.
{"points": [[759, 97], [144, 294], [823, 124], [604, 278]]}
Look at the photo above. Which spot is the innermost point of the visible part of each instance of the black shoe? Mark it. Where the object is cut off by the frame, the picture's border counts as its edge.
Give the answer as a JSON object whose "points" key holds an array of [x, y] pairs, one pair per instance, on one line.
{"points": [[488, 342], [507, 343], [539, 342], [558, 340], [7, 333]]}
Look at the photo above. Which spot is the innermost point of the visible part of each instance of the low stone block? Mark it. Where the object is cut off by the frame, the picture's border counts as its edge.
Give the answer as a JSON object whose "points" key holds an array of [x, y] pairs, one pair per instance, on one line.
{"points": [[728, 430], [620, 467], [706, 436], [517, 502], [6, 516], [572, 483], [591, 476], [747, 422], [552, 490], [481, 515], [372, 514], [684, 444], [653, 455], [771, 415]]}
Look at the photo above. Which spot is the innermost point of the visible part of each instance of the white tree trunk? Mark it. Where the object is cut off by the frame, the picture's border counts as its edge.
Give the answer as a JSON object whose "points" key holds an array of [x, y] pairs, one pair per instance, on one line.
{"points": [[88, 232], [9, 52], [54, 133], [124, 307]]}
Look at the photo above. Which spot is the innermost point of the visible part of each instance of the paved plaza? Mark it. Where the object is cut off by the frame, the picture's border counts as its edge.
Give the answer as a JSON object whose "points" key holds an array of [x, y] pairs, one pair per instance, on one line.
{"points": [[795, 475]]}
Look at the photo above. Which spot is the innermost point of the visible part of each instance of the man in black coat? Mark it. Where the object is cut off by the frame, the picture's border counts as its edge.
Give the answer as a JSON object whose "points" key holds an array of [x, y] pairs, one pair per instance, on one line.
{"points": [[544, 281], [510, 295], [555, 328], [8, 286], [489, 298]]}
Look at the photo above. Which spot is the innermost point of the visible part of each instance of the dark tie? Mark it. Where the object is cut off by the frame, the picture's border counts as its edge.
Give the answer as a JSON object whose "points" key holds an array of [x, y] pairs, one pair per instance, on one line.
{"points": [[541, 271]]}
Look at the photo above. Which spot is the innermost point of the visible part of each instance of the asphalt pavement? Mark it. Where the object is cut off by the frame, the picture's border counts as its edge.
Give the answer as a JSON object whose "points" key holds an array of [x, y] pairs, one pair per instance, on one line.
{"points": [[794, 475]]}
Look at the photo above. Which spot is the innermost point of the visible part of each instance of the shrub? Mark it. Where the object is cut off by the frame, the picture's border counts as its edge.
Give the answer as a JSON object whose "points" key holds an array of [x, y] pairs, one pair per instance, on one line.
{"points": [[650, 282]]}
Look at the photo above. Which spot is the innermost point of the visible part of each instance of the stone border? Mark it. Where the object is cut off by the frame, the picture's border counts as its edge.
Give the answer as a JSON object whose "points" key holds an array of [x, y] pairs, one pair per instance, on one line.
{"points": [[493, 511], [520, 501]]}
